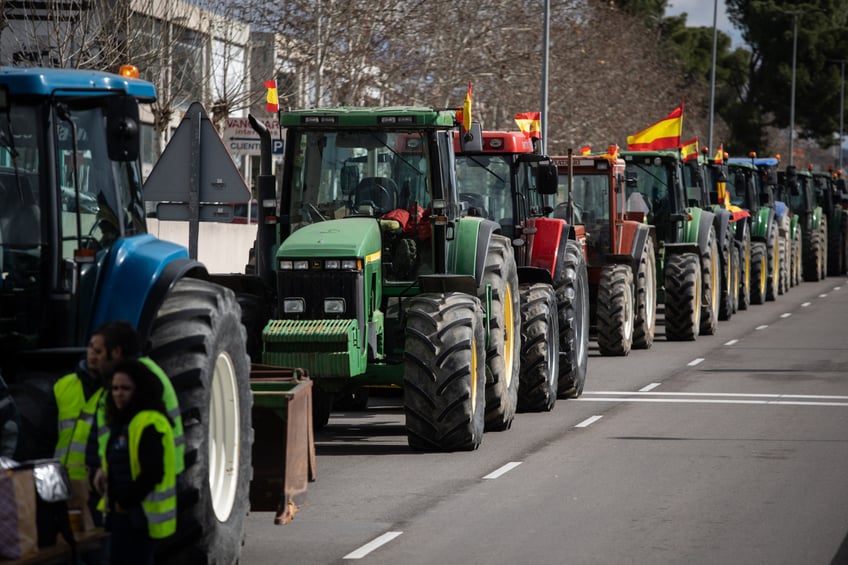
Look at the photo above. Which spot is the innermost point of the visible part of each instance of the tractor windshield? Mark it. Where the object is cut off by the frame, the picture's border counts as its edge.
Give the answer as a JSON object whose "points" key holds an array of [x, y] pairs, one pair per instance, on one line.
{"points": [[652, 183], [483, 182], [357, 172], [591, 200]]}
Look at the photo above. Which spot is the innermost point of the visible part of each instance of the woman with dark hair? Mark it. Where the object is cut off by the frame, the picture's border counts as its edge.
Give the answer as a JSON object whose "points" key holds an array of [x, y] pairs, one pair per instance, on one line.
{"points": [[138, 476]]}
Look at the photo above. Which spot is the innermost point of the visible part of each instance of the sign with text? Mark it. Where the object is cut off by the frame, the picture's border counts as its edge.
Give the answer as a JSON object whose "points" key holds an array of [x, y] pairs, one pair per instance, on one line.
{"points": [[242, 140]]}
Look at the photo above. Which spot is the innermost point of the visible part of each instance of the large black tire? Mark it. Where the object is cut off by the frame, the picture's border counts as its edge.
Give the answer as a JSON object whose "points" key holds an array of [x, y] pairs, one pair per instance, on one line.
{"points": [[572, 296], [710, 286], [729, 289], [798, 258], [745, 276], [736, 275], [503, 355], [773, 262], [683, 293], [759, 272], [812, 255], [785, 258], [616, 310], [539, 375], [199, 341], [444, 376], [646, 298], [824, 251], [843, 249]]}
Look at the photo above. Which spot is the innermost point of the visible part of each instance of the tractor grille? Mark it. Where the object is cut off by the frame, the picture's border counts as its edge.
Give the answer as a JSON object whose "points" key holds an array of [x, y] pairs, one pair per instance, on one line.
{"points": [[316, 285]]}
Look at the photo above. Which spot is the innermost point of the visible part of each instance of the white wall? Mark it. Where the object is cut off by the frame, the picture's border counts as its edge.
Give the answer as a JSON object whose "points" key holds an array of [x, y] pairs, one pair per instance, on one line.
{"points": [[223, 248]]}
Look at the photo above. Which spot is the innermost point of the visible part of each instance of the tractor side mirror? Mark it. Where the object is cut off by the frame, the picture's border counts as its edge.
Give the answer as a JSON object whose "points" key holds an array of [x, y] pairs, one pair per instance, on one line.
{"points": [[547, 178], [631, 179], [122, 130], [471, 141]]}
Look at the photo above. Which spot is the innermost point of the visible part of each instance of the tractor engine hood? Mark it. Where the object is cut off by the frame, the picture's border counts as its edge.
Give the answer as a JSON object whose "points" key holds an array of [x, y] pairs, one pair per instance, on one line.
{"points": [[347, 237]]}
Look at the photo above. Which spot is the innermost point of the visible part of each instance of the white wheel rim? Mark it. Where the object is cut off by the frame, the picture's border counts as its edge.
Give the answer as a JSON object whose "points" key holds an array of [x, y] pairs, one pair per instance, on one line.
{"points": [[224, 437]]}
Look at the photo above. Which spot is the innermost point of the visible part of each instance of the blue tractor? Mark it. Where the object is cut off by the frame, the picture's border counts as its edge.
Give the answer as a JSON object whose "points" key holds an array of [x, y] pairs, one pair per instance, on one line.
{"points": [[74, 252]]}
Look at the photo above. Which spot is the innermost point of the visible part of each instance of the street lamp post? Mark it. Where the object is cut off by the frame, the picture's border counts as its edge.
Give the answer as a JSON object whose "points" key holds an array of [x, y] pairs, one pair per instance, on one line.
{"points": [[712, 76], [792, 99]]}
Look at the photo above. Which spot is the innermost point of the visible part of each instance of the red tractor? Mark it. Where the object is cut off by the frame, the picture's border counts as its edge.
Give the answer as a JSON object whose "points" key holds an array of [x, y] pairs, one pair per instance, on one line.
{"points": [[507, 180], [619, 249]]}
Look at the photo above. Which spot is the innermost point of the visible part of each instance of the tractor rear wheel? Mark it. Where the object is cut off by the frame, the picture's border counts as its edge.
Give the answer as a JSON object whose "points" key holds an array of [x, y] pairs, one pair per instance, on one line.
{"points": [[773, 262], [798, 257], [615, 310], [823, 241], [198, 339], [646, 298], [444, 376], [735, 277], [683, 292], [812, 256], [710, 286], [539, 376], [759, 272], [745, 275], [783, 278], [572, 297], [728, 291], [835, 247], [503, 354]]}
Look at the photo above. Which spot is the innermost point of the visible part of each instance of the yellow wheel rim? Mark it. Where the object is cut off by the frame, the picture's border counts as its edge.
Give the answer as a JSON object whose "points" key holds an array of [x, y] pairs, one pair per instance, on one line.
{"points": [[509, 331]]}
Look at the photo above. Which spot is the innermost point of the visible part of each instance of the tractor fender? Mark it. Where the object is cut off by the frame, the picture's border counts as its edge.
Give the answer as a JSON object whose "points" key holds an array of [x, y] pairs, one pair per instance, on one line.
{"points": [[547, 246], [794, 229], [703, 222], [762, 224], [631, 238], [722, 222], [137, 275], [817, 217], [467, 254], [533, 275]]}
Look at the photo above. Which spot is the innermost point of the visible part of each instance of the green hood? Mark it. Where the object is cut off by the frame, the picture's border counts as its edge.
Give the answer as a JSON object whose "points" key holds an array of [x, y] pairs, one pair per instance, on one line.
{"points": [[347, 237]]}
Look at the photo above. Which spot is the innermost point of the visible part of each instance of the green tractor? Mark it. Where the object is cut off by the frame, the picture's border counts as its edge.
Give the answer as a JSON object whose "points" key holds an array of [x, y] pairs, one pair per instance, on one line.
{"points": [[811, 219], [705, 185], [827, 197], [384, 279], [687, 255], [748, 190]]}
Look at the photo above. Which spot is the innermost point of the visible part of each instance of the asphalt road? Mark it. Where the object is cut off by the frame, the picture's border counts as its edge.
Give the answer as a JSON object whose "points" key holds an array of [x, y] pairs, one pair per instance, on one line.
{"points": [[731, 449]]}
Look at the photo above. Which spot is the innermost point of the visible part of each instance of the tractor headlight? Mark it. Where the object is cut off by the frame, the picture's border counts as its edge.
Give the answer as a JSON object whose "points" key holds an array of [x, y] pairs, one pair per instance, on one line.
{"points": [[301, 265], [286, 265], [334, 305], [349, 264], [294, 305], [331, 264]]}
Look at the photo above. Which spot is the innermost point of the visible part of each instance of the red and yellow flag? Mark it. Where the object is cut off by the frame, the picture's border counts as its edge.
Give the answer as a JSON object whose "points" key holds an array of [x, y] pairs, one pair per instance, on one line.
{"points": [[689, 149], [719, 156], [271, 103], [463, 116], [530, 124], [664, 134], [585, 150]]}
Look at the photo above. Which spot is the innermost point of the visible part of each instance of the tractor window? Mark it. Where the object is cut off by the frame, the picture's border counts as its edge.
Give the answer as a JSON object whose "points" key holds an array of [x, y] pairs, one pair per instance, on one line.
{"points": [[591, 199], [652, 182], [339, 174], [483, 182]]}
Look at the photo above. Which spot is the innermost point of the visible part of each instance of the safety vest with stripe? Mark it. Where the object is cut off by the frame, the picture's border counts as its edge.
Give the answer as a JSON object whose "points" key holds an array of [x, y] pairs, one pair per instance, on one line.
{"points": [[160, 505], [172, 405], [82, 430], [70, 400]]}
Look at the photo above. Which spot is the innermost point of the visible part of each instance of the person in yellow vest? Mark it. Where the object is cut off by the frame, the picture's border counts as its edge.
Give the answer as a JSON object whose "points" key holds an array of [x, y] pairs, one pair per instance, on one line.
{"points": [[138, 473]]}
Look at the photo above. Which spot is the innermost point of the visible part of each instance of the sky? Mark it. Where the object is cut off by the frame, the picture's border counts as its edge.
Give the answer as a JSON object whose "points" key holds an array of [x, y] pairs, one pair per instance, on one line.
{"points": [[700, 14]]}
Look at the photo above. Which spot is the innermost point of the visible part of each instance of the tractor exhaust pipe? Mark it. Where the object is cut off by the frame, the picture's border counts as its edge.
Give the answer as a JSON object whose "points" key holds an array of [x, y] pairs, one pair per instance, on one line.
{"points": [[266, 196]]}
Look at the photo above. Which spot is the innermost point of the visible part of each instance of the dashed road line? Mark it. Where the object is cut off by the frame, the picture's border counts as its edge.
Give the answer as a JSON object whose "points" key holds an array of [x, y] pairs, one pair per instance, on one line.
{"points": [[588, 422], [762, 327], [824, 295], [503, 470], [695, 362], [732, 342], [649, 387], [372, 545], [805, 304], [786, 315]]}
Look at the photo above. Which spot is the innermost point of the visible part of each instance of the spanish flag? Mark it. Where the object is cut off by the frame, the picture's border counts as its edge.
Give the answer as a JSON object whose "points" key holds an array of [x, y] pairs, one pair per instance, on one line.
{"points": [[466, 110], [689, 149], [585, 150], [719, 156], [272, 104], [530, 124], [664, 134]]}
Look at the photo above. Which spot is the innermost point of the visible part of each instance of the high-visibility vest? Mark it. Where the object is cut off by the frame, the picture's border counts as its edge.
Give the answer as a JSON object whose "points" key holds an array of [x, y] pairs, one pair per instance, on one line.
{"points": [[160, 504], [172, 405], [82, 429], [70, 400]]}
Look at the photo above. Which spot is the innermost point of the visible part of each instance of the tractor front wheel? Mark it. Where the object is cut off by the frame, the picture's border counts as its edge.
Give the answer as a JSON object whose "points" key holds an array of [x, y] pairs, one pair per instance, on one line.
{"points": [[615, 310], [539, 376], [683, 292], [646, 298], [572, 297]]}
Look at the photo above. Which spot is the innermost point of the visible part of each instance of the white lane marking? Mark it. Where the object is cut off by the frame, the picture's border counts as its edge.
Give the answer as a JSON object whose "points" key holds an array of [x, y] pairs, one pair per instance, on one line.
{"points": [[837, 288], [732, 342], [716, 398], [695, 362], [372, 545], [823, 295], [805, 304], [649, 387], [588, 422], [786, 315], [503, 470], [764, 326]]}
